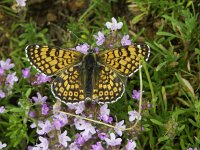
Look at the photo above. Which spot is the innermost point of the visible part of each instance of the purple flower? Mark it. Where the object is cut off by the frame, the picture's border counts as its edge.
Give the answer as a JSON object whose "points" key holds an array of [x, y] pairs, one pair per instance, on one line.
{"points": [[41, 78], [102, 136], [32, 114], [46, 127], [114, 25], [80, 139], [33, 125], [113, 141], [21, 3], [89, 130], [2, 94], [43, 145], [79, 123], [104, 110], [131, 145], [74, 146], [125, 40], [192, 148], [11, 78], [136, 94], [119, 127], [100, 38], [2, 109], [6, 65], [39, 99], [79, 107], [26, 72], [104, 114], [133, 115], [98, 146], [96, 49], [60, 120], [63, 139], [45, 109], [1, 71], [2, 145], [83, 48]]}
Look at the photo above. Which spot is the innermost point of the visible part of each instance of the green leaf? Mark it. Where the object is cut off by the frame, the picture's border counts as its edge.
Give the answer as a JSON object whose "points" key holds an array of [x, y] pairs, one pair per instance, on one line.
{"points": [[157, 122], [167, 34], [137, 18], [28, 92], [193, 123], [163, 138]]}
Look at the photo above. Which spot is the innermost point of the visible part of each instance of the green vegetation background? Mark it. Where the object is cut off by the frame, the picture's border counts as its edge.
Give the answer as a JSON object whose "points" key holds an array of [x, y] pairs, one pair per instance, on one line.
{"points": [[171, 84]]}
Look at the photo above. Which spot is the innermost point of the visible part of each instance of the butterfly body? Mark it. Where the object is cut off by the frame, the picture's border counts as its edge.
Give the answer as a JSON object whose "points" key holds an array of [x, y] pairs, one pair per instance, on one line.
{"points": [[89, 71], [91, 76]]}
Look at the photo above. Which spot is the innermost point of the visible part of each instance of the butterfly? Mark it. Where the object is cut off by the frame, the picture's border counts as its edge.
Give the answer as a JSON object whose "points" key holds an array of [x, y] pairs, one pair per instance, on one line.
{"points": [[91, 76]]}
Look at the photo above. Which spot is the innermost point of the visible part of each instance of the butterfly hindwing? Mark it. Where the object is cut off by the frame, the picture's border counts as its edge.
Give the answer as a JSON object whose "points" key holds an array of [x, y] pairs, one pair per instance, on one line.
{"points": [[69, 67], [67, 86], [109, 87], [124, 60], [51, 60]]}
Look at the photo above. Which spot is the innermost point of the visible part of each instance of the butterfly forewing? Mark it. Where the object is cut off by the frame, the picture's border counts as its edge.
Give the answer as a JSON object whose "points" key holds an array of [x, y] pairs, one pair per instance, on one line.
{"points": [[68, 86], [109, 87], [51, 60], [124, 60], [69, 67]]}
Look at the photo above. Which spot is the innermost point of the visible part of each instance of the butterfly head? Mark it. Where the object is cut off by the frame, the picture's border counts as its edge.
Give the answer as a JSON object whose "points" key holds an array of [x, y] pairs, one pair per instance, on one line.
{"points": [[91, 51]]}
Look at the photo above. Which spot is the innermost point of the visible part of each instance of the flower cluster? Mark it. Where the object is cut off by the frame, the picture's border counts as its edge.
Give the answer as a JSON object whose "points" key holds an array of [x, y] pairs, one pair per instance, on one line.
{"points": [[7, 78], [37, 79], [86, 132], [107, 40]]}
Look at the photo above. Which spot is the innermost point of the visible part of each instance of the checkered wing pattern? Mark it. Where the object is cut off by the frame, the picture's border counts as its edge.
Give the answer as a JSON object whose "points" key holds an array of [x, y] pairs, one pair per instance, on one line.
{"points": [[68, 86], [124, 60], [52, 60], [109, 87]]}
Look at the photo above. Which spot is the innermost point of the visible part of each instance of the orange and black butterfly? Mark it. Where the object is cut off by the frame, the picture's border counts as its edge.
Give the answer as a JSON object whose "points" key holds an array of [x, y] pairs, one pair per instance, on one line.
{"points": [[91, 76]]}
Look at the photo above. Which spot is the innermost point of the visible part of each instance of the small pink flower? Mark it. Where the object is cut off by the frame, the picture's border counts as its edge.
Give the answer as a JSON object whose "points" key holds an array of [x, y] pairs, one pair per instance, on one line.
{"points": [[114, 25], [133, 115], [79, 107], [74, 146], [125, 40], [21, 3], [100, 38], [97, 146], [63, 139], [83, 48], [45, 127], [1, 71], [2, 145], [45, 109], [2, 94], [6, 65], [41, 78], [60, 120], [2, 109], [119, 127], [136, 94], [113, 141], [26, 73], [131, 145], [43, 145], [11, 78], [39, 98]]}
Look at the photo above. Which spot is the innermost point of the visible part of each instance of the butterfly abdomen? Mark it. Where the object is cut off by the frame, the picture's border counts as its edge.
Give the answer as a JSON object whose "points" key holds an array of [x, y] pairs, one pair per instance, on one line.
{"points": [[88, 71]]}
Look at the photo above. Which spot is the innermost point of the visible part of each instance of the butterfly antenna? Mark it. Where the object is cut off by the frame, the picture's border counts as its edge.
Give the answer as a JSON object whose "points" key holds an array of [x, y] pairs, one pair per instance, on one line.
{"points": [[75, 35]]}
